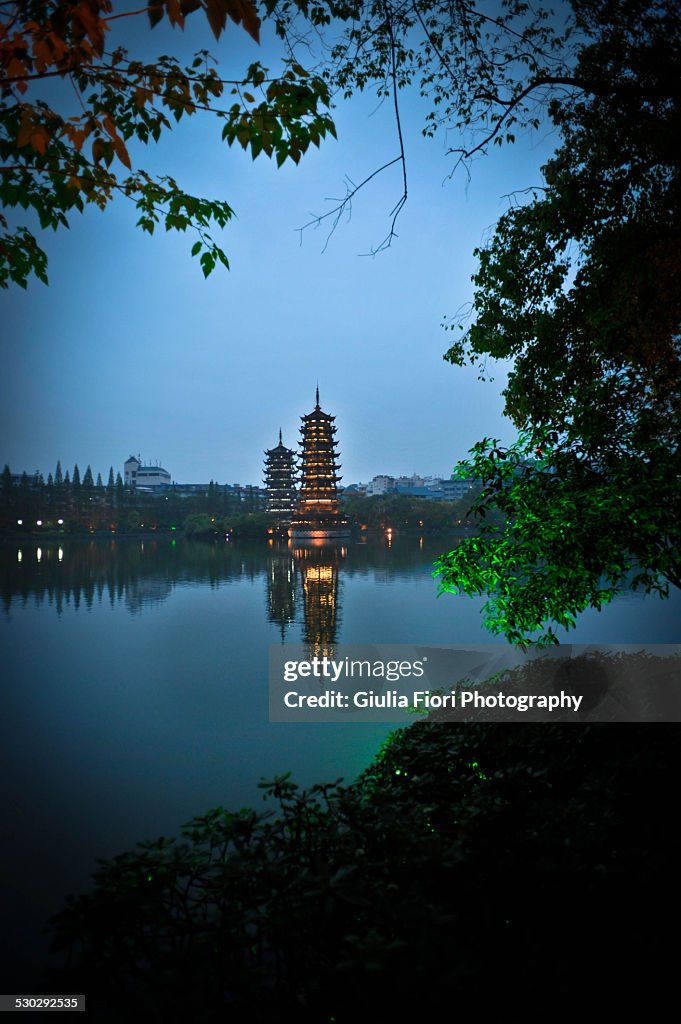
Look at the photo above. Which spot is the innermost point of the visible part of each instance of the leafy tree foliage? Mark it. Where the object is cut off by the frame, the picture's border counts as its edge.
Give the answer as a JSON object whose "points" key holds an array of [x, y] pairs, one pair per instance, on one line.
{"points": [[581, 288], [55, 160], [483, 74], [404, 511], [529, 853]]}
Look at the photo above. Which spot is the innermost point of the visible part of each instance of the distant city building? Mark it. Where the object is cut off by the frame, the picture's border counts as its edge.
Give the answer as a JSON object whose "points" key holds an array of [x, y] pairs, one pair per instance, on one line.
{"points": [[427, 493], [430, 488], [317, 513], [280, 481], [455, 490], [411, 481], [139, 477], [381, 485]]}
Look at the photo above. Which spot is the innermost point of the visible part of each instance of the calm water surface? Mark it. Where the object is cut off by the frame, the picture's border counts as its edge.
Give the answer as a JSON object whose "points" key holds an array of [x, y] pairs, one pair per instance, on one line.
{"points": [[134, 688]]}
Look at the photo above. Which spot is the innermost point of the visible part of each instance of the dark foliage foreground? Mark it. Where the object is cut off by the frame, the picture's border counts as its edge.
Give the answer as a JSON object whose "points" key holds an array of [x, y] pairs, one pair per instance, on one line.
{"points": [[484, 865]]}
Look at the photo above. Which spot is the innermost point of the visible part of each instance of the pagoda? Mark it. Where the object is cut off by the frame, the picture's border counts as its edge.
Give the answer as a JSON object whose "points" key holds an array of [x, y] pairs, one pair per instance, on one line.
{"points": [[317, 515], [280, 481]]}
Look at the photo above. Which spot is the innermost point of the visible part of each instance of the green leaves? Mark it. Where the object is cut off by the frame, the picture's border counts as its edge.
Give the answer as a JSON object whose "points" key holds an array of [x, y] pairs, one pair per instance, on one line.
{"points": [[162, 200], [20, 256], [55, 161], [217, 12], [286, 121], [557, 537]]}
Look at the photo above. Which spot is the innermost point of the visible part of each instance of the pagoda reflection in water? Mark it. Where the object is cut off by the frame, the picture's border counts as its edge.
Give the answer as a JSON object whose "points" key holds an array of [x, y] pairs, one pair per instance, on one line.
{"points": [[281, 587], [319, 568], [315, 569]]}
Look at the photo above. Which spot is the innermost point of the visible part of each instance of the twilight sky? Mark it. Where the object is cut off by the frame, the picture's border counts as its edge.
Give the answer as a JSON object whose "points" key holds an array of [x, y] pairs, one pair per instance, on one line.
{"points": [[130, 350]]}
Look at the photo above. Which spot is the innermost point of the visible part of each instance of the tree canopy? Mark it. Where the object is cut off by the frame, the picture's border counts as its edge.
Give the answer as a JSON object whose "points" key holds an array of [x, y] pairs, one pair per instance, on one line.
{"points": [[534, 841], [580, 288]]}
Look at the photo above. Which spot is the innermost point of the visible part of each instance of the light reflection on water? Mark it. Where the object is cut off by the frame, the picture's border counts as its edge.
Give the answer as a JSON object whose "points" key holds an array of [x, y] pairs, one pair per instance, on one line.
{"points": [[134, 689]]}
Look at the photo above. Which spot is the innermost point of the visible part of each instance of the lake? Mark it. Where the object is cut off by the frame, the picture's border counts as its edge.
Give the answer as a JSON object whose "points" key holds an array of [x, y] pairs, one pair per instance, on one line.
{"points": [[134, 691]]}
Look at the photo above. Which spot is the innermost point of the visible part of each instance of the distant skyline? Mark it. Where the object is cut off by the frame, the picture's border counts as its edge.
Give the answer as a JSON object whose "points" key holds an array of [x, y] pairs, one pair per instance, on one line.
{"points": [[129, 350], [118, 468]]}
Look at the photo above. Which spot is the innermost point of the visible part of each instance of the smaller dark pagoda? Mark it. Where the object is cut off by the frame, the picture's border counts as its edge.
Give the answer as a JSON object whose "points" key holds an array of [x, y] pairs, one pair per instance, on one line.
{"points": [[280, 481], [317, 515]]}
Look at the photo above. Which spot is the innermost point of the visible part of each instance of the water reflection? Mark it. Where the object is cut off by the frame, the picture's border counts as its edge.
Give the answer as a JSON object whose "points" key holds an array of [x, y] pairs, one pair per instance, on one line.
{"points": [[146, 591], [319, 568], [302, 587], [281, 589], [302, 583], [306, 575]]}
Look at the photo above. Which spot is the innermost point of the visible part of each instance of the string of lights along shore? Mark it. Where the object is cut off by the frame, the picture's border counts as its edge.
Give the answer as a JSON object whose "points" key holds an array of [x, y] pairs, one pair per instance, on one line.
{"points": [[311, 511]]}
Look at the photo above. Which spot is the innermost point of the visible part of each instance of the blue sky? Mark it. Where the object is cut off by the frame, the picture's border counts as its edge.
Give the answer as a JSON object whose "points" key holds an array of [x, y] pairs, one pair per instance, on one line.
{"points": [[129, 350]]}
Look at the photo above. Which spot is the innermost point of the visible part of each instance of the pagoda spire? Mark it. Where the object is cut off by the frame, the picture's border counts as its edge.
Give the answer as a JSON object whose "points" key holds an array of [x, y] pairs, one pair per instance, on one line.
{"points": [[280, 441], [317, 396]]}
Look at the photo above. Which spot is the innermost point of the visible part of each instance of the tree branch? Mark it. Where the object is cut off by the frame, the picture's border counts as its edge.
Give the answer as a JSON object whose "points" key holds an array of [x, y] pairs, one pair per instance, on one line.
{"points": [[345, 203]]}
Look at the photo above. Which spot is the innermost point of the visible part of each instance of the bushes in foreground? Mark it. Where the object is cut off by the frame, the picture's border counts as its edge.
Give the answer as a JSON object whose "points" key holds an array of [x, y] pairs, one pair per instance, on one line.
{"points": [[470, 863]]}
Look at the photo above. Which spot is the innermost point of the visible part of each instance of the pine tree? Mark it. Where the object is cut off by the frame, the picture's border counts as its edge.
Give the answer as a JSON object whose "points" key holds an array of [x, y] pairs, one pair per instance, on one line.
{"points": [[58, 475]]}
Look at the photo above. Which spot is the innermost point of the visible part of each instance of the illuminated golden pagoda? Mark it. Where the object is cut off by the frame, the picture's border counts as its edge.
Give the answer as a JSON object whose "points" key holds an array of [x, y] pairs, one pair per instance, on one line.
{"points": [[317, 515]]}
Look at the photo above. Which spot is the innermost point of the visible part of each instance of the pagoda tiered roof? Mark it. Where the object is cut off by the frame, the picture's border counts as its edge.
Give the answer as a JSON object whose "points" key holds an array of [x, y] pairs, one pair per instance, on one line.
{"points": [[317, 507], [280, 480]]}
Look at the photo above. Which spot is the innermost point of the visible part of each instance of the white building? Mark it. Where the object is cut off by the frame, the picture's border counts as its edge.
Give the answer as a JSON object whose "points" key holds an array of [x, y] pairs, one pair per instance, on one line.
{"points": [[381, 485], [139, 477]]}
